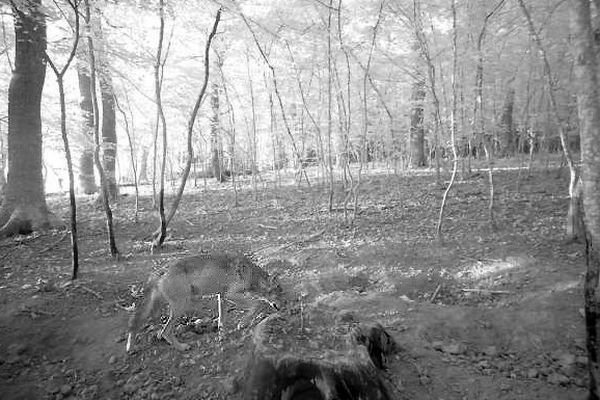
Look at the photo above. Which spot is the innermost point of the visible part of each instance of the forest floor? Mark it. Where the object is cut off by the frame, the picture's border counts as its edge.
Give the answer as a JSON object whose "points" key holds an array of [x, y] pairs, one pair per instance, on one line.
{"points": [[483, 315]]}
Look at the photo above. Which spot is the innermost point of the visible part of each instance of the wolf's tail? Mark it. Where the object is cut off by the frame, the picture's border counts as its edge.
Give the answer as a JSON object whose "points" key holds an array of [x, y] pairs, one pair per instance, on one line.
{"points": [[143, 311]]}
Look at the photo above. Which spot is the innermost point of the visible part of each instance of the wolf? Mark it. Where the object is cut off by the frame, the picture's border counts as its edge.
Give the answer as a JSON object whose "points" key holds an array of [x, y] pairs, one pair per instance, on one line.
{"points": [[187, 281]]}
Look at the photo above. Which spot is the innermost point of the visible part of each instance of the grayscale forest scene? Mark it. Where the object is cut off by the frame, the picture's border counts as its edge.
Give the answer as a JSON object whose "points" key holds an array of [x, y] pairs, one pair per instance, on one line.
{"points": [[299, 200]]}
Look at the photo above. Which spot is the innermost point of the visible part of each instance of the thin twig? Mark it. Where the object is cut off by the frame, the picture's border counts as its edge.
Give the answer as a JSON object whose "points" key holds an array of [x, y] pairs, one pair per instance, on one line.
{"points": [[435, 293]]}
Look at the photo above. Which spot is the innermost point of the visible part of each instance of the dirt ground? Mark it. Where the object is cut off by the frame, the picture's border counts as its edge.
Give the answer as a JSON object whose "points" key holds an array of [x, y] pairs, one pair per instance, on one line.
{"points": [[483, 315]]}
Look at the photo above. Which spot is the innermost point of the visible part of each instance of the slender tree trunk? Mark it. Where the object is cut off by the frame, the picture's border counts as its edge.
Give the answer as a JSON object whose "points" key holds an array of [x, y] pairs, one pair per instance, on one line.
{"points": [[280, 101], [274, 141], [329, 117], [190, 132], [348, 178], [575, 211], [363, 158], [103, 181], [232, 167], [586, 71], [133, 159], [452, 121], [478, 112], [24, 207], [155, 160], [143, 174], [253, 130], [65, 138], [161, 233]]}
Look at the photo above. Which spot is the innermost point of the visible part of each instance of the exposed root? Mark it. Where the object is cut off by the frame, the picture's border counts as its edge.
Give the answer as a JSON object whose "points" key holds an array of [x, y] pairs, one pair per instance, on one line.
{"points": [[25, 220]]}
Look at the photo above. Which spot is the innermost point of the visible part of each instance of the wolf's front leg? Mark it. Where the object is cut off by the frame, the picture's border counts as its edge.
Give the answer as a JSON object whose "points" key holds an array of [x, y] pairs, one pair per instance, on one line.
{"points": [[167, 333]]}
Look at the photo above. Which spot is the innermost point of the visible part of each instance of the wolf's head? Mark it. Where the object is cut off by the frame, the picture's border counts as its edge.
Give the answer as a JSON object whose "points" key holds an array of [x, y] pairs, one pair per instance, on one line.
{"points": [[255, 279]]}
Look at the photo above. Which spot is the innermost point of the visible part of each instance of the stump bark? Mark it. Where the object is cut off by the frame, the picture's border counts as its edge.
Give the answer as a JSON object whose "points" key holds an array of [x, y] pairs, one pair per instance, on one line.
{"points": [[339, 362]]}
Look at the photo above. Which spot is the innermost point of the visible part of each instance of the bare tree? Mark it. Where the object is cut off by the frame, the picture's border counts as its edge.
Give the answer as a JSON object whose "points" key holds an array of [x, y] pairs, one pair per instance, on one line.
{"points": [[478, 111], [161, 233], [103, 180], [574, 216], [329, 122], [452, 121], [252, 132], [362, 153], [65, 138], [423, 47], [280, 101], [131, 154], [231, 111]]}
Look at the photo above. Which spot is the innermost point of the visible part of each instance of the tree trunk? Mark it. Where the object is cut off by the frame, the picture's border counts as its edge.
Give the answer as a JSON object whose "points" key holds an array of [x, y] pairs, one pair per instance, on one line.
{"points": [[143, 174], [24, 208], [507, 140], [103, 185], [252, 138], [65, 137], [214, 134], [87, 180], [552, 86], [330, 154], [3, 158], [417, 132], [161, 233], [586, 72], [109, 134], [280, 368], [452, 122], [132, 156]]}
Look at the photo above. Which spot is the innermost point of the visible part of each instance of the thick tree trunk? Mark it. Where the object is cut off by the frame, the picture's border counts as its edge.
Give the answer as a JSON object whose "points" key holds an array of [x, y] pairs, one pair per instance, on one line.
{"points": [[506, 124], [417, 132], [87, 181], [24, 208], [3, 158], [586, 72], [109, 134]]}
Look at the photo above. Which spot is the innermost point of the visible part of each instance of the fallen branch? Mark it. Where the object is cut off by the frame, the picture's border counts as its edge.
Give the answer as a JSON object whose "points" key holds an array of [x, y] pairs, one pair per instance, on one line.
{"points": [[267, 226], [486, 291], [311, 238], [87, 289], [52, 245], [29, 310]]}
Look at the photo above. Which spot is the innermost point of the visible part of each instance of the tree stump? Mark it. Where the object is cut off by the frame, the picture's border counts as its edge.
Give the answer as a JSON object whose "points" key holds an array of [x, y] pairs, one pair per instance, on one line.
{"points": [[334, 362]]}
